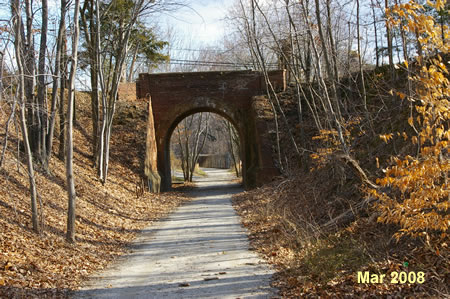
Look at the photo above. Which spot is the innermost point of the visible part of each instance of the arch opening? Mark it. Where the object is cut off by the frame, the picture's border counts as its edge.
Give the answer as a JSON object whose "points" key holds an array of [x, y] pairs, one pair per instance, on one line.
{"points": [[200, 140]]}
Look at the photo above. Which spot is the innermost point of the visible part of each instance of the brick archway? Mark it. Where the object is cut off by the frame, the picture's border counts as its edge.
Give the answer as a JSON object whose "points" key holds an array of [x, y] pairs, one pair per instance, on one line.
{"points": [[231, 94]]}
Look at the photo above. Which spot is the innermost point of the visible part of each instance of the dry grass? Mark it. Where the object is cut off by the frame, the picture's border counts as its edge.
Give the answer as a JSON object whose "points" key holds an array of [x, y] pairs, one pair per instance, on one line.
{"points": [[285, 221]]}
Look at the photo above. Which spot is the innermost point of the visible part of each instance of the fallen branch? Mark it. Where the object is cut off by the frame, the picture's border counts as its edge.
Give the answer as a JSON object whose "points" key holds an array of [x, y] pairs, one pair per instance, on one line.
{"points": [[349, 214], [358, 170]]}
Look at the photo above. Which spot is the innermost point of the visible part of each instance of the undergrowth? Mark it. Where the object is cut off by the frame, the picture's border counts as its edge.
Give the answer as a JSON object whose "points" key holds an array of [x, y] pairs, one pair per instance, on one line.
{"points": [[316, 222]]}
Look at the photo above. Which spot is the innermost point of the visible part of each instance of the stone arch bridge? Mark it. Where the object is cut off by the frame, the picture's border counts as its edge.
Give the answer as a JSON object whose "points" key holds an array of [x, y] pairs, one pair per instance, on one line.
{"points": [[231, 94]]}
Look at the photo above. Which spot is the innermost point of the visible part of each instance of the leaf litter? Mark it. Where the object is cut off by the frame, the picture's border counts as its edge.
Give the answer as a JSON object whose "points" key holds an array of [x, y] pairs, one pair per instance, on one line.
{"points": [[108, 217]]}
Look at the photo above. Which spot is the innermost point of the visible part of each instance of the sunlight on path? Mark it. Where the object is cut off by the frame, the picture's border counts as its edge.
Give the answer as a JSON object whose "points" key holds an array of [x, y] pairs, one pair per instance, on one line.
{"points": [[199, 251]]}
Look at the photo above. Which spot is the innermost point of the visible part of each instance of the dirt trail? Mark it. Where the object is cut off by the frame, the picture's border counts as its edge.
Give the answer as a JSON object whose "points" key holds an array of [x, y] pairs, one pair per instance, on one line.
{"points": [[199, 251]]}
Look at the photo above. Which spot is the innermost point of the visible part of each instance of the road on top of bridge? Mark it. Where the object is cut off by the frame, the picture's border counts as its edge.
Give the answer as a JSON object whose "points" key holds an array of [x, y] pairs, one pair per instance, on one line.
{"points": [[199, 251]]}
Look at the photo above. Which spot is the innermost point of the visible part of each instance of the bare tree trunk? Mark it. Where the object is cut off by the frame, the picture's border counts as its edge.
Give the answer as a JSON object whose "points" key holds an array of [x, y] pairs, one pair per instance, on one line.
{"points": [[62, 114], [90, 34], [307, 70], [70, 236], [195, 144], [186, 160], [103, 88], [336, 113], [230, 140], [361, 73], [332, 43], [109, 105], [180, 144], [41, 90], [29, 68], [56, 75], [198, 147], [187, 151], [255, 60], [377, 50], [17, 21], [389, 42], [133, 61]]}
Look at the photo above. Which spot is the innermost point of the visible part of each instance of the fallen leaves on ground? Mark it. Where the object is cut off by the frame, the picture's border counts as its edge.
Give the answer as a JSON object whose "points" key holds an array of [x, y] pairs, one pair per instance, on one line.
{"points": [[284, 228], [108, 216]]}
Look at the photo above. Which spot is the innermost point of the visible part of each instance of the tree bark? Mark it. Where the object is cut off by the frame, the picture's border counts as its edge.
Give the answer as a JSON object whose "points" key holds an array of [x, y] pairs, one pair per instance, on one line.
{"points": [[336, 113], [230, 140], [62, 114], [389, 42], [89, 28], [56, 78], [377, 51], [361, 72], [70, 236], [17, 20], [29, 68], [41, 90]]}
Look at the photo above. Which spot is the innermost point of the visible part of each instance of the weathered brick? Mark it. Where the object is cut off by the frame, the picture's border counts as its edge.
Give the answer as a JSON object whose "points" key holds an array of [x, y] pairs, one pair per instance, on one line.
{"points": [[175, 96]]}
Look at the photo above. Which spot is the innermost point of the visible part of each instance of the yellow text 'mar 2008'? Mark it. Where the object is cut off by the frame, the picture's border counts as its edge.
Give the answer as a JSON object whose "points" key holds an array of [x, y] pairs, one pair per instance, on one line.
{"points": [[367, 277]]}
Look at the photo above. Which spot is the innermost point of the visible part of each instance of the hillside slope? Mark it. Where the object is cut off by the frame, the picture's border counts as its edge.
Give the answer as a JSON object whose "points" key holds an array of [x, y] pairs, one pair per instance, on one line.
{"points": [[108, 217], [314, 222]]}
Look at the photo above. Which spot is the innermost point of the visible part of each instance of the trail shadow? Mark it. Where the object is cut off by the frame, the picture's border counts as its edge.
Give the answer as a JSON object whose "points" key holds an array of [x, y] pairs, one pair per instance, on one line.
{"points": [[224, 287]]}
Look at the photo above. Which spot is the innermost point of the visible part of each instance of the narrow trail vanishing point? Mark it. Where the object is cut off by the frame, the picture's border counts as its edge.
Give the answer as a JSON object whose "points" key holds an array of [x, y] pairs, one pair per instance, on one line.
{"points": [[199, 251]]}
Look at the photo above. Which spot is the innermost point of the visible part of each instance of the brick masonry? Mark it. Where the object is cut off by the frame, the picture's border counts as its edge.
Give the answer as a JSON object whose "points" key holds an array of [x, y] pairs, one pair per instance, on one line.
{"points": [[231, 94]]}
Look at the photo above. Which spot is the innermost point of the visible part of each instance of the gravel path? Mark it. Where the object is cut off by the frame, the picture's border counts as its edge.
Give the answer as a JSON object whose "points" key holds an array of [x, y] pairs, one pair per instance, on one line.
{"points": [[199, 251]]}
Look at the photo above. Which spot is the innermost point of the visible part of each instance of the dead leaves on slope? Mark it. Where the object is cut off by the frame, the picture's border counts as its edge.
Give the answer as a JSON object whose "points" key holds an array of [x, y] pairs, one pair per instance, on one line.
{"points": [[108, 218]]}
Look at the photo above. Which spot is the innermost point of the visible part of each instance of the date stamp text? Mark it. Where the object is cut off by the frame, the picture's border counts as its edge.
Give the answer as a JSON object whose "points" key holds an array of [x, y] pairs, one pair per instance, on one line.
{"points": [[395, 277]]}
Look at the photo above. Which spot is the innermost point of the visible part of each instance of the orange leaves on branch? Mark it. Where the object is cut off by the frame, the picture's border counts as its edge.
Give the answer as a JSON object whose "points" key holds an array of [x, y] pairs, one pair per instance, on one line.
{"points": [[416, 189], [386, 137]]}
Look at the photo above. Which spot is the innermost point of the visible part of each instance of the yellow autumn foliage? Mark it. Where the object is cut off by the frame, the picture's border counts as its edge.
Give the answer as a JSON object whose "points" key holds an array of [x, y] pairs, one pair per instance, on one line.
{"points": [[414, 191]]}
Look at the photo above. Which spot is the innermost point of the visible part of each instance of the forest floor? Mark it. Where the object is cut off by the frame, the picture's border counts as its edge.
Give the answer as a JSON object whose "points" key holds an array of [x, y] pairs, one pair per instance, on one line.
{"points": [[108, 216], [199, 251]]}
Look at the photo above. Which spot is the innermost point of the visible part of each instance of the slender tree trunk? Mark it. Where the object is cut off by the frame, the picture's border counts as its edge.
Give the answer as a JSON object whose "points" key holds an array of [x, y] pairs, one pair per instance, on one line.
{"points": [[109, 82], [17, 20], [197, 146], [103, 91], [260, 63], [94, 84], [133, 61], [41, 90], [180, 144], [230, 140], [56, 78], [62, 113], [70, 236], [88, 26], [377, 51], [332, 43], [336, 114], [29, 68], [188, 155], [389, 42], [361, 72]]}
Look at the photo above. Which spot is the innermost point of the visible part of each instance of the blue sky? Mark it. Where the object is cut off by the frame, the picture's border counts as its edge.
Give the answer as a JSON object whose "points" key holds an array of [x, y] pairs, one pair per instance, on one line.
{"points": [[202, 21]]}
